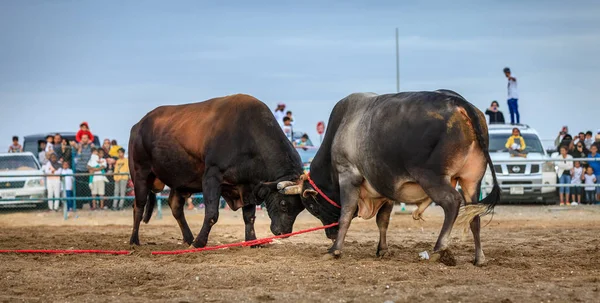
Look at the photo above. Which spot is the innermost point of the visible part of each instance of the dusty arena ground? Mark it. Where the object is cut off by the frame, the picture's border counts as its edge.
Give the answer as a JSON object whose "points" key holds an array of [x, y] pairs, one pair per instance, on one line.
{"points": [[534, 254]]}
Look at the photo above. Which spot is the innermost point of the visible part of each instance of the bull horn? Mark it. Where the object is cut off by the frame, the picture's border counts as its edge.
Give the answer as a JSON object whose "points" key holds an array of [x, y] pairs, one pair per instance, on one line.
{"points": [[283, 184], [292, 190]]}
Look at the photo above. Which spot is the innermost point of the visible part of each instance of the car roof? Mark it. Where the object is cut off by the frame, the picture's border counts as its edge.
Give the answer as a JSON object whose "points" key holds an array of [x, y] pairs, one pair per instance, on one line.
{"points": [[44, 135], [507, 128], [16, 154]]}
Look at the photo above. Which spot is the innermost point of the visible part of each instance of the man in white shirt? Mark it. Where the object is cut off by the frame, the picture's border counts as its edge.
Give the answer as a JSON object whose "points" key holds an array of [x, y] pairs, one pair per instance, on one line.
{"points": [[513, 97], [279, 113]]}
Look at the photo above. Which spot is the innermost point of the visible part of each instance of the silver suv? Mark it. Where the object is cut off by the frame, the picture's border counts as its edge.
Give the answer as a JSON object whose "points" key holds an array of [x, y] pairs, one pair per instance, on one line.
{"points": [[515, 176]]}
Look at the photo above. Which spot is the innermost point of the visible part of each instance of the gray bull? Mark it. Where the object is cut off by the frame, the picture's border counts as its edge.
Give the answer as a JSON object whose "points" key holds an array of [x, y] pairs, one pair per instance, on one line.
{"points": [[411, 147]]}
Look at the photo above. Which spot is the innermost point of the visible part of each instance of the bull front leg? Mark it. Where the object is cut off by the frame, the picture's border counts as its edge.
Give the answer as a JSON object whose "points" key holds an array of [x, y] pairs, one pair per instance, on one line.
{"points": [[249, 212], [349, 184], [211, 185], [383, 221]]}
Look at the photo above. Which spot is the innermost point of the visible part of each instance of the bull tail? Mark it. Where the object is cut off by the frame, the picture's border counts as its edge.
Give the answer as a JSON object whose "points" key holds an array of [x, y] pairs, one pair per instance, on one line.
{"points": [[149, 206]]}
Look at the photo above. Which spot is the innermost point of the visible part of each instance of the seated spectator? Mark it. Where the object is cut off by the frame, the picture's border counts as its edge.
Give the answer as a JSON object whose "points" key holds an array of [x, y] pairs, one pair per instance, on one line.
{"points": [[114, 149], [588, 139], [516, 144], [42, 153], [84, 129], [303, 141], [15, 147], [564, 176], [496, 116]]}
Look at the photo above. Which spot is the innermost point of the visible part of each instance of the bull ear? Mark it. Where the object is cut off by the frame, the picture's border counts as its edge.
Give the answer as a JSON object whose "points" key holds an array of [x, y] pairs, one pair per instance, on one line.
{"points": [[263, 189], [310, 192]]}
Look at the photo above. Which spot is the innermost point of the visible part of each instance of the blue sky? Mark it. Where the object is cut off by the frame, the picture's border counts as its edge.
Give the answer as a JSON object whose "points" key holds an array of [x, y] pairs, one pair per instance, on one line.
{"points": [[109, 62]]}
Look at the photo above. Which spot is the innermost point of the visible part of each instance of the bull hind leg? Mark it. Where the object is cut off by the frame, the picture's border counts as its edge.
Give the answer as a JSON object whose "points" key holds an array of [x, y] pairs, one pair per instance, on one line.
{"points": [[177, 202], [142, 189], [211, 184], [440, 190], [383, 221], [471, 194]]}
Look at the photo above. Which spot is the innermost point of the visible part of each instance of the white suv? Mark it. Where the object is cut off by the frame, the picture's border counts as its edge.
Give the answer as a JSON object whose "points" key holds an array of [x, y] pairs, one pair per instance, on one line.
{"points": [[18, 180], [517, 175]]}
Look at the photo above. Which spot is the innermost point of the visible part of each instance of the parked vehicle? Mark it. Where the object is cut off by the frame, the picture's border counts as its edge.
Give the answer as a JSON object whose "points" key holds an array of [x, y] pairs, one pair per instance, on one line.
{"points": [[518, 174], [31, 143], [18, 180]]}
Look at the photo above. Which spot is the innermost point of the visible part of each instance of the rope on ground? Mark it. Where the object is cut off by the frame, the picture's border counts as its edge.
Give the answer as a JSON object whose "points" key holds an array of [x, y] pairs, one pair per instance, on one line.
{"points": [[243, 243], [65, 251]]}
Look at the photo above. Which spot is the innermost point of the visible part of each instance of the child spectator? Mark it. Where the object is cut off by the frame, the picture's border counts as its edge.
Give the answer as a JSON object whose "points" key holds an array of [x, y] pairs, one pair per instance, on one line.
{"points": [[97, 181], [564, 177], [42, 153], [595, 165], [66, 172], [588, 139], [287, 128], [303, 141], [15, 147], [289, 115], [590, 179], [52, 167], [84, 129], [496, 116], [516, 144], [49, 144], [121, 167], [576, 177], [114, 149]]}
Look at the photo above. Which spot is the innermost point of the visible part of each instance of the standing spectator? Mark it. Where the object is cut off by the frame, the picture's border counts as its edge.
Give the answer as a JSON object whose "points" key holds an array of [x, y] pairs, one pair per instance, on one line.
{"points": [[109, 189], [496, 116], [114, 149], [576, 176], [97, 180], [49, 145], [84, 153], [563, 172], [590, 179], [84, 129], [513, 97], [563, 132], [52, 167], [588, 139], [64, 152], [580, 137], [289, 115], [15, 147], [287, 128], [121, 167], [42, 153], [580, 152], [595, 165], [106, 147], [57, 147], [66, 172], [279, 112]]}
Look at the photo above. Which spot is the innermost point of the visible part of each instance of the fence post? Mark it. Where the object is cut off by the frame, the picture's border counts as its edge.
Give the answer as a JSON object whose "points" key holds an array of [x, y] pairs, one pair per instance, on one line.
{"points": [[63, 183], [74, 169]]}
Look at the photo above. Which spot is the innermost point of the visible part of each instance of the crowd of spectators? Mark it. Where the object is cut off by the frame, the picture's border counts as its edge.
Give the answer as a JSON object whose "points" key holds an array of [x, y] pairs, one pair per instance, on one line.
{"points": [[286, 122]]}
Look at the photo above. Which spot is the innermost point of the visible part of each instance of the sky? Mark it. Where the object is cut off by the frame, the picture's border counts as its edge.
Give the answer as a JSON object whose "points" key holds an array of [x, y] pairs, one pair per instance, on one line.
{"points": [[110, 62]]}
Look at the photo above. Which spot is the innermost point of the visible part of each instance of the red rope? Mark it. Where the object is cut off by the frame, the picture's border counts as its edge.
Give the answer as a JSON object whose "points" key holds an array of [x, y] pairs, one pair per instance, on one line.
{"points": [[244, 243], [312, 183], [65, 251]]}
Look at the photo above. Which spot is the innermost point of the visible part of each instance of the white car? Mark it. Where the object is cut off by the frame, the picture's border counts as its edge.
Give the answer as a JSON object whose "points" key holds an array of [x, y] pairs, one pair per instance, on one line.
{"points": [[19, 180], [516, 175]]}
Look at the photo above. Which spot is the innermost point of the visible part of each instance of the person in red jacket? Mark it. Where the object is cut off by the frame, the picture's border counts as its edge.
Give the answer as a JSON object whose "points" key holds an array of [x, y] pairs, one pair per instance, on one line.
{"points": [[84, 129]]}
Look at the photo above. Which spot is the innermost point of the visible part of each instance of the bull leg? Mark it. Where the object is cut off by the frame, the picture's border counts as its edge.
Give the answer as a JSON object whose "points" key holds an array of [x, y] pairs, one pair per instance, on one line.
{"points": [[471, 190], [211, 184], [141, 189], [176, 202], [383, 220], [249, 212], [349, 198]]}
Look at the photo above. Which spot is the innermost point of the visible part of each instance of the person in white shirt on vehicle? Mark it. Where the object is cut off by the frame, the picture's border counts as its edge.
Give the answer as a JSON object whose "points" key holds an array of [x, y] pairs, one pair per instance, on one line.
{"points": [[279, 113], [513, 97], [53, 182], [564, 174]]}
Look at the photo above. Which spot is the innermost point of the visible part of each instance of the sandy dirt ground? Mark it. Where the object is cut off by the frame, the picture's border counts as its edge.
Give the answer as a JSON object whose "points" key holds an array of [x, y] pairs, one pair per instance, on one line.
{"points": [[534, 254]]}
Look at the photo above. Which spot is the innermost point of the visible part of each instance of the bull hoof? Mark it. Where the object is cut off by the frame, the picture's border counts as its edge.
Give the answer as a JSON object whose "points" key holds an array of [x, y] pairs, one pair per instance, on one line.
{"points": [[382, 253], [479, 261], [134, 242], [445, 257]]}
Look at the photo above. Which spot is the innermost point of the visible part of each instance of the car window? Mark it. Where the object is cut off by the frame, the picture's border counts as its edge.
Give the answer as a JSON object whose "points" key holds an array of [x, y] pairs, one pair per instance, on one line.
{"points": [[20, 162], [532, 143]]}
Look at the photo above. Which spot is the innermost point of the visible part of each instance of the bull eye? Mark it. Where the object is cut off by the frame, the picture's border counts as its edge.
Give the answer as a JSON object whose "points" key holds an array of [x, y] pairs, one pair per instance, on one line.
{"points": [[282, 203]]}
